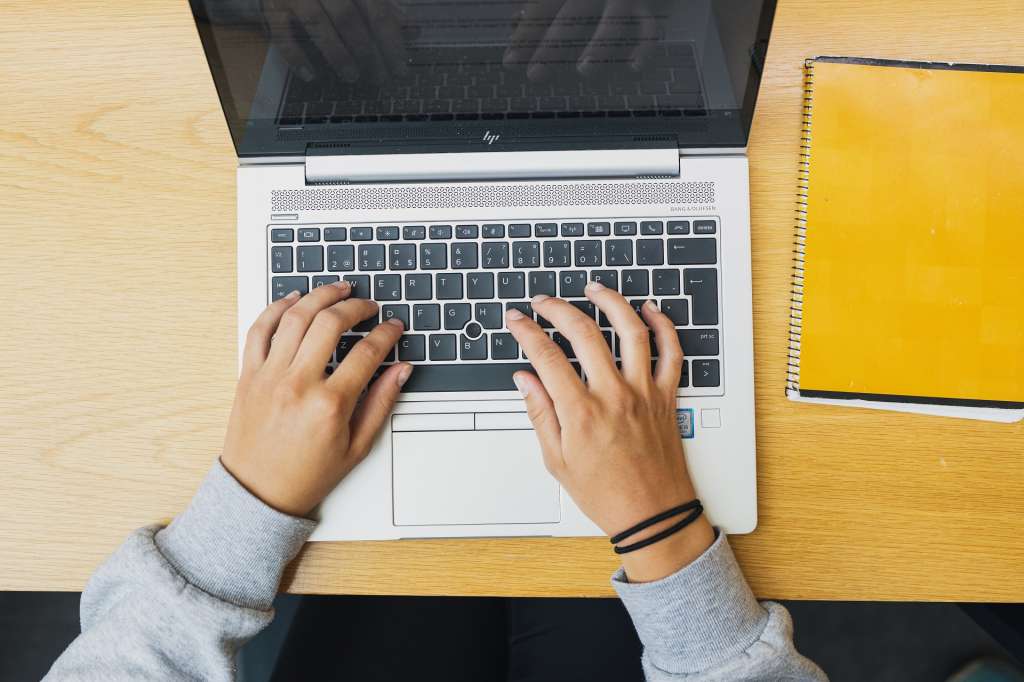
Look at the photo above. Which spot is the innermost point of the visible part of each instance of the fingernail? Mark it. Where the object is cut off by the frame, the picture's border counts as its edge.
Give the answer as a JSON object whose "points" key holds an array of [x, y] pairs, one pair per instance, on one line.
{"points": [[524, 388], [585, 66], [651, 305], [342, 284], [535, 72], [405, 372], [540, 298], [594, 286], [293, 294], [397, 322], [636, 65], [305, 73], [514, 314]]}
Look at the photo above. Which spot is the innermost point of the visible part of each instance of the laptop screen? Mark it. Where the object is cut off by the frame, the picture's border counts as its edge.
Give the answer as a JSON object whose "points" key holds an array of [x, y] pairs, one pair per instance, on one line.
{"points": [[412, 75]]}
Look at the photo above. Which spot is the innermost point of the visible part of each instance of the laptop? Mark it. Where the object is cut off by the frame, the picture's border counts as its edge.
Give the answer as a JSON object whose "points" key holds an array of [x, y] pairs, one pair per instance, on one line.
{"points": [[451, 160]]}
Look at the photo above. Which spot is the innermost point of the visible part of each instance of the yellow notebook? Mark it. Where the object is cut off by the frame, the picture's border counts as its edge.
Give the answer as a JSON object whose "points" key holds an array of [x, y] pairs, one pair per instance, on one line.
{"points": [[909, 273]]}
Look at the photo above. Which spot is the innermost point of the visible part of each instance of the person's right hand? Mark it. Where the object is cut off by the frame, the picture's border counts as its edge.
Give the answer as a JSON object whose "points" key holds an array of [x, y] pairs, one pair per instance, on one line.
{"points": [[357, 39], [613, 442]]}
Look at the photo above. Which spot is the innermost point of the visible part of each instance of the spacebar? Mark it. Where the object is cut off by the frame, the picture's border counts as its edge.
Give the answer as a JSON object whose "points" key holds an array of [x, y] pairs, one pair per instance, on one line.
{"points": [[463, 377]]}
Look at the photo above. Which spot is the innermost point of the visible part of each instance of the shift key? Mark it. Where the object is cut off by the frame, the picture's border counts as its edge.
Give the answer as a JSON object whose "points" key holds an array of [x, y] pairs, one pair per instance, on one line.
{"points": [[701, 285]]}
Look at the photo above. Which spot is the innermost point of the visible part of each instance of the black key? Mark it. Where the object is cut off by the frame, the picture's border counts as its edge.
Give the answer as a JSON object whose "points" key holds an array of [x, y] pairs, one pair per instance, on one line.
{"points": [[368, 324], [637, 304], [371, 256], [504, 347], [402, 256], [387, 233], [586, 307], [666, 283], [609, 278], [309, 234], [480, 285], [360, 285], [522, 306], [493, 231], [309, 258], [448, 285], [324, 280], [677, 310], [345, 344], [618, 252], [414, 232], [599, 229], [441, 347], [282, 234], [526, 254], [466, 231], [456, 315], [587, 253], [635, 283], [433, 256], [335, 234], [571, 283], [464, 256], [401, 311], [494, 254], [557, 254], [652, 227], [704, 227], [701, 285], [625, 229], [426, 316], [698, 341], [412, 347], [544, 323], [706, 373], [572, 229], [650, 252], [489, 315], [684, 375], [463, 377], [282, 286], [511, 285], [440, 231], [694, 251], [542, 282], [679, 227], [387, 287], [281, 259], [546, 230], [564, 344], [361, 234], [417, 287], [519, 230], [341, 258], [472, 349]]}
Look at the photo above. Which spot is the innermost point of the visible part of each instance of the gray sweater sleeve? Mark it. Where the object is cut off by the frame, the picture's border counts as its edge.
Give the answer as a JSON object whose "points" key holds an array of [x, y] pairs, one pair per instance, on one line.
{"points": [[177, 603], [704, 624]]}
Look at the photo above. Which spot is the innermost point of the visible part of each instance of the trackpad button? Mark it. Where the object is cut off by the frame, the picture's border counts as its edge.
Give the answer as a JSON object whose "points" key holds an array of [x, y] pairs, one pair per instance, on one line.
{"points": [[471, 477]]}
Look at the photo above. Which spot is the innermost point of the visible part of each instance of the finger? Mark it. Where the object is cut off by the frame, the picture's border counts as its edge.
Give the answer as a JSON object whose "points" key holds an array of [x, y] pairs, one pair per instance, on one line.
{"points": [[318, 26], [296, 320], [325, 330], [257, 340], [374, 408], [612, 41], [384, 19], [647, 36], [354, 29], [565, 39], [559, 378], [356, 370], [541, 410], [584, 335], [634, 337], [532, 23], [670, 353], [283, 38]]}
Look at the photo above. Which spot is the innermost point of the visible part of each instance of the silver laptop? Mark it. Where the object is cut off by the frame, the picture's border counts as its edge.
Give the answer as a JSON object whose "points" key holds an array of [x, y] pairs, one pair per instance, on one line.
{"points": [[469, 159]]}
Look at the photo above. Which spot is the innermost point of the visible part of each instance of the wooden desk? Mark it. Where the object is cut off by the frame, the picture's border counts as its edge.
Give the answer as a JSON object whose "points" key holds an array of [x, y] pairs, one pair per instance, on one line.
{"points": [[117, 357]]}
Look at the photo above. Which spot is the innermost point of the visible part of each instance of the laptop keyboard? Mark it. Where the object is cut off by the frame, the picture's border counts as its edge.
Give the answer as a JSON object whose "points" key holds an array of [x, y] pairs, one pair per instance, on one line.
{"points": [[452, 283]]}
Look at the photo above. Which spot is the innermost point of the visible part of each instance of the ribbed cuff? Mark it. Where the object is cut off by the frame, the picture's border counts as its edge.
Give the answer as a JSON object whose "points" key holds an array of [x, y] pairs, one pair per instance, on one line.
{"points": [[230, 544], [696, 617]]}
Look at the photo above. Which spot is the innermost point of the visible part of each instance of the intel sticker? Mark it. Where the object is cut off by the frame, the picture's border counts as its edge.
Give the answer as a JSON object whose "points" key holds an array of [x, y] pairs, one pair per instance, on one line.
{"points": [[684, 418]]}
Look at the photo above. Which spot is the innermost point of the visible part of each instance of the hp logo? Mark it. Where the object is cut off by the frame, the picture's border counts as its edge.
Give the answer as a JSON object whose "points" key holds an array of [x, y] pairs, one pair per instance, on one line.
{"points": [[491, 138]]}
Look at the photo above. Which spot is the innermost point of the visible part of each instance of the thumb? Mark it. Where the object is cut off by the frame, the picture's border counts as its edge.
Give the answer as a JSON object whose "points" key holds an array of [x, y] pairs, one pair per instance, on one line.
{"points": [[541, 410], [374, 409]]}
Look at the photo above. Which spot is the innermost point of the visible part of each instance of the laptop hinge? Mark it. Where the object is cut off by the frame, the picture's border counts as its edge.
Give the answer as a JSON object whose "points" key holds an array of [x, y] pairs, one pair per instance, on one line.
{"points": [[504, 165]]}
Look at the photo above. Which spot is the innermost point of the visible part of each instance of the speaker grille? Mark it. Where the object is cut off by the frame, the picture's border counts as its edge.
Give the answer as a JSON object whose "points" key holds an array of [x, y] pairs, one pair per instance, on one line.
{"points": [[484, 196]]}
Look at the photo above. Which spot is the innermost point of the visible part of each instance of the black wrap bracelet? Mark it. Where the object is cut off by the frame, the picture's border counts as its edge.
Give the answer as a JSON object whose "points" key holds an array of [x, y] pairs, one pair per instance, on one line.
{"points": [[693, 506]]}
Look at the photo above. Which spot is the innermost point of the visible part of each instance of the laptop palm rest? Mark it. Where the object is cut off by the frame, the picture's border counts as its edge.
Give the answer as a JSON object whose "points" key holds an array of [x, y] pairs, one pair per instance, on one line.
{"points": [[471, 477]]}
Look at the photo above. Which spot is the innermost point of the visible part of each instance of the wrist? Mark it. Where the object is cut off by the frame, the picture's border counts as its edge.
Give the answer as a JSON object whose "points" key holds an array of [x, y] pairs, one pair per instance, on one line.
{"points": [[669, 555]]}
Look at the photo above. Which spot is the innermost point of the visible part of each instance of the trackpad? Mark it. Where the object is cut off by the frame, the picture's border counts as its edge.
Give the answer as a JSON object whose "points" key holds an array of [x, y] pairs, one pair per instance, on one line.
{"points": [[471, 477]]}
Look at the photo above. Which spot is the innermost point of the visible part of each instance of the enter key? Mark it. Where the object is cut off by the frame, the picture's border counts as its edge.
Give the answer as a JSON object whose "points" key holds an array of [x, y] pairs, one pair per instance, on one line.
{"points": [[701, 285]]}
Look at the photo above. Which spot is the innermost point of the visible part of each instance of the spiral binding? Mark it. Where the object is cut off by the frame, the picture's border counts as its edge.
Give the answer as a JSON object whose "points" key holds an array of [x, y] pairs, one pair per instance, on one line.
{"points": [[796, 304]]}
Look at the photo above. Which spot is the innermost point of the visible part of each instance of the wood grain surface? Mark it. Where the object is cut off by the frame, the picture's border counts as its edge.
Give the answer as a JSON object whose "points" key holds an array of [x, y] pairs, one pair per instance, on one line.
{"points": [[117, 354]]}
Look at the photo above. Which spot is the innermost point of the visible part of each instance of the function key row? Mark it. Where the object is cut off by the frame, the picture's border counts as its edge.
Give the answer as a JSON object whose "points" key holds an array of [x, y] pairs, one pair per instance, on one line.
{"points": [[492, 231]]}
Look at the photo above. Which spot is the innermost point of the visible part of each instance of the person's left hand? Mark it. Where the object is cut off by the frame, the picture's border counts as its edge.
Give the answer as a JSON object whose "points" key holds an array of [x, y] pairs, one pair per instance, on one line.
{"points": [[294, 431]]}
